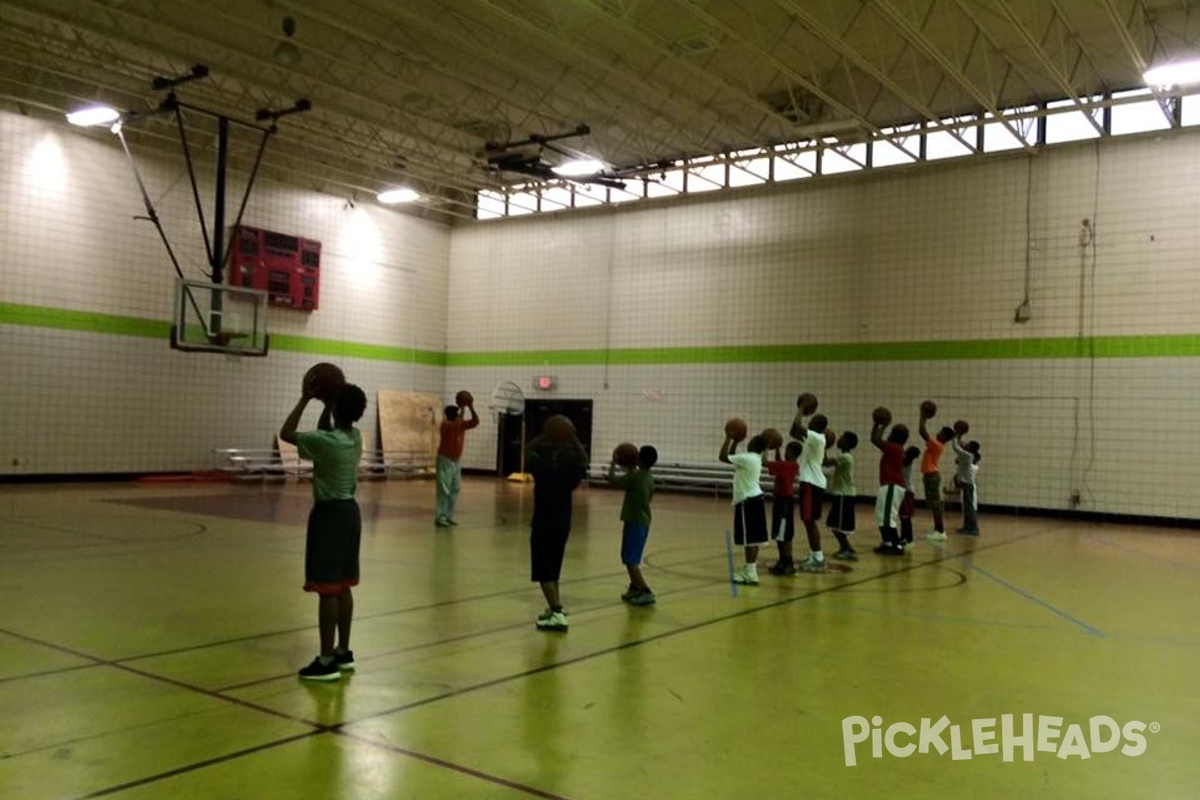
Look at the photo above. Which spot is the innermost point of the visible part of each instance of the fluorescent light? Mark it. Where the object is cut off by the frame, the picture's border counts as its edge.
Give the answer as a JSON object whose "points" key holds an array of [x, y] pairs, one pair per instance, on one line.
{"points": [[579, 168], [1168, 75], [393, 196], [93, 115]]}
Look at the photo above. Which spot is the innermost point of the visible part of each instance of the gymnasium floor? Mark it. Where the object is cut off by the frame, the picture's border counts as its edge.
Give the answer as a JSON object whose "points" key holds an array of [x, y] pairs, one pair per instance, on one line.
{"points": [[150, 635]]}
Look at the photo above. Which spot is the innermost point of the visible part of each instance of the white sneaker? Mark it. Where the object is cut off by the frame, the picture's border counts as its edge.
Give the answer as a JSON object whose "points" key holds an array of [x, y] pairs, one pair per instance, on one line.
{"points": [[937, 536], [811, 564], [747, 575], [553, 620]]}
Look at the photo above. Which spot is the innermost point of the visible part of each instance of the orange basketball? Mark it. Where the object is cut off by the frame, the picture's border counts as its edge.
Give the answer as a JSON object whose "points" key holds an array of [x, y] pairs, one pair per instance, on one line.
{"points": [[774, 438], [736, 429], [807, 403], [464, 398], [928, 409], [323, 380], [830, 439], [962, 427], [881, 416], [626, 454], [558, 428]]}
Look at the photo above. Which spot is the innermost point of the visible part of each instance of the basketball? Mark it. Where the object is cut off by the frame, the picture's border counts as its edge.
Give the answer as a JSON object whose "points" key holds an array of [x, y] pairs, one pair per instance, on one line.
{"points": [[626, 454], [323, 380], [736, 429], [464, 398], [962, 427], [928, 409], [774, 438], [558, 428], [807, 403], [830, 439], [881, 416]]}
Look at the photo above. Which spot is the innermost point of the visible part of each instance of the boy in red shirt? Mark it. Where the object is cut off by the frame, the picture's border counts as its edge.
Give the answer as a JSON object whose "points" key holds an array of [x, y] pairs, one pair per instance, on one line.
{"points": [[449, 471], [891, 486], [783, 513]]}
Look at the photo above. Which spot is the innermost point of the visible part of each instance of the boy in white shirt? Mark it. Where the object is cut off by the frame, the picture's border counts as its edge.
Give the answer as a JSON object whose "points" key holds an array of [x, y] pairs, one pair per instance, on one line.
{"points": [[749, 505]]}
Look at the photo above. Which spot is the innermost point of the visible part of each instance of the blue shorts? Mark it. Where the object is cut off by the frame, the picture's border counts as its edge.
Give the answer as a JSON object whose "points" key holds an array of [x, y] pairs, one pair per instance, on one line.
{"points": [[633, 542]]}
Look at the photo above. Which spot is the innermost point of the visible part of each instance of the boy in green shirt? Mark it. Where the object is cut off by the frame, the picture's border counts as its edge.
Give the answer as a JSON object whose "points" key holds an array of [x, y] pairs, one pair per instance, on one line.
{"points": [[334, 524], [638, 484]]}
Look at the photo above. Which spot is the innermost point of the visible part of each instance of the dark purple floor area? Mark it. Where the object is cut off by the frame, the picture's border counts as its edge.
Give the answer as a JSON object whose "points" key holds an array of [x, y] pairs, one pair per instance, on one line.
{"points": [[279, 508]]}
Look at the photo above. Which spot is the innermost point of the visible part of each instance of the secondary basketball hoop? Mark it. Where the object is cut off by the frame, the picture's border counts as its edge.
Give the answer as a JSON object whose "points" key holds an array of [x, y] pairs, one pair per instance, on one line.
{"points": [[507, 398]]}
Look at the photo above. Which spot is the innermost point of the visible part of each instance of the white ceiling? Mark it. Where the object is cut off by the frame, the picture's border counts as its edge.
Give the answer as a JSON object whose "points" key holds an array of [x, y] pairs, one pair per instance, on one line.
{"points": [[412, 90]]}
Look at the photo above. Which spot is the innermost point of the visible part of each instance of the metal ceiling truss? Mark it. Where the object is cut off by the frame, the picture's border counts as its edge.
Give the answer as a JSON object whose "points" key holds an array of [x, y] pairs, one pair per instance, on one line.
{"points": [[411, 92]]}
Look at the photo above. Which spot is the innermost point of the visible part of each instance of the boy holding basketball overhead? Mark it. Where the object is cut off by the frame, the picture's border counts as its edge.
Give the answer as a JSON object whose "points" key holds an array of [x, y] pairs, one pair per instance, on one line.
{"points": [[450, 448], [931, 475], [966, 461], [638, 483], [749, 507], [812, 484], [891, 480], [842, 494], [558, 463], [783, 506], [908, 508], [334, 524]]}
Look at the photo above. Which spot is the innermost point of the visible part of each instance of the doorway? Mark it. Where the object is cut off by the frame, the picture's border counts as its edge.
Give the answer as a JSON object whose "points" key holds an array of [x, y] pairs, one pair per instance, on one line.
{"points": [[537, 411]]}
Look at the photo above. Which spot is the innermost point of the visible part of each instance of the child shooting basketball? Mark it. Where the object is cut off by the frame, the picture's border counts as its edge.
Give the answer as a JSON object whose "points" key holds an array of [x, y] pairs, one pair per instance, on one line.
{"points": [[638, 483], [334, 524], [558, 463], [783, 506], [931, 475], [891, 480], [749, 508], [908, 507], [812, 485], [966, 467], [452, 437], [842, 494]]}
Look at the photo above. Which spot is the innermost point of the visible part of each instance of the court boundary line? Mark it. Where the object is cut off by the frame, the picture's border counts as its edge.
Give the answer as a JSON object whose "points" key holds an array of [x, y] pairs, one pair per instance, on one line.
{"points": [[338, 728]]}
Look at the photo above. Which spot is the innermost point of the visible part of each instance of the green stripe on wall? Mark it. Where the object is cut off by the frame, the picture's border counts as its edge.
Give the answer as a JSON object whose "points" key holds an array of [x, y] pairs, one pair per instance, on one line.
{"points": [[1174, 346], [44, 317], [979, 350]]}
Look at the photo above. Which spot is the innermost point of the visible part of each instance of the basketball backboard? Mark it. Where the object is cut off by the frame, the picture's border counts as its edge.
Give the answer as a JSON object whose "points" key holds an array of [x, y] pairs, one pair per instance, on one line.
{"points": [[214, 318]]}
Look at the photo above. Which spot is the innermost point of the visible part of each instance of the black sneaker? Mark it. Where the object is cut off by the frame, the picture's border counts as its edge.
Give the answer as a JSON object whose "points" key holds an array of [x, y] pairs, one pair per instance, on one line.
{"points": [[888, 549], [316, 671], [643, 598], [344, 660], [782, 568]]}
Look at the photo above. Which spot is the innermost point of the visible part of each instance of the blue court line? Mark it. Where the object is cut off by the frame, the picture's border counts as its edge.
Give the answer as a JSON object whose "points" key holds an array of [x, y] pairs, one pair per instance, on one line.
{"points": [[1152, 556], [930, 617], [1025, 594]]}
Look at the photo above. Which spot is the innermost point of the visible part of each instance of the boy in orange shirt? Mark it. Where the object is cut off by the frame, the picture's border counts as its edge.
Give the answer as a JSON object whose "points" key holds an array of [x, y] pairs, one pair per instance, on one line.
{"points": [[931, 474]]}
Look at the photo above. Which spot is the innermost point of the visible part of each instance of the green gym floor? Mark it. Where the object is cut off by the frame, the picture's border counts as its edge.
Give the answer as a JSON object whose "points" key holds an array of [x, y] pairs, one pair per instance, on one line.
{"points": [[150, 635]]}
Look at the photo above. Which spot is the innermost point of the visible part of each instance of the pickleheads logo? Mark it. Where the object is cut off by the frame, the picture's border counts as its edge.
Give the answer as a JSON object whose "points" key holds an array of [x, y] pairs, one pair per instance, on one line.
{"points": [[1006, 737]]}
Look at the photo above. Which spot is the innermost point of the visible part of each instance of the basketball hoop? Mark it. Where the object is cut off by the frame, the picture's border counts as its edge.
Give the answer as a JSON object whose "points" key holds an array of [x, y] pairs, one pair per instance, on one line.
{"points": [[507, 398]]}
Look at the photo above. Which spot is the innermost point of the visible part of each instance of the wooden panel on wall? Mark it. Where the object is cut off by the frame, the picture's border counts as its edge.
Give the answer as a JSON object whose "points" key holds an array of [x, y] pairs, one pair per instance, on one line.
{"points": [[408, 421]]}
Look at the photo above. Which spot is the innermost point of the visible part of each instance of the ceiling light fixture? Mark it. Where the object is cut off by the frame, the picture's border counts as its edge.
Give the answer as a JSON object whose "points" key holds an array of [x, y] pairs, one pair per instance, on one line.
{"points": [[1167, 76], [401, 194], [93, 115], [286, 54], [579, 168]]}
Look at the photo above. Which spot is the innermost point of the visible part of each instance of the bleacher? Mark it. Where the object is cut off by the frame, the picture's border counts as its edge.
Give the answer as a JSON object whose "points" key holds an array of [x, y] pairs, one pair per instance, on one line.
{"points": [[283, 462]]}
